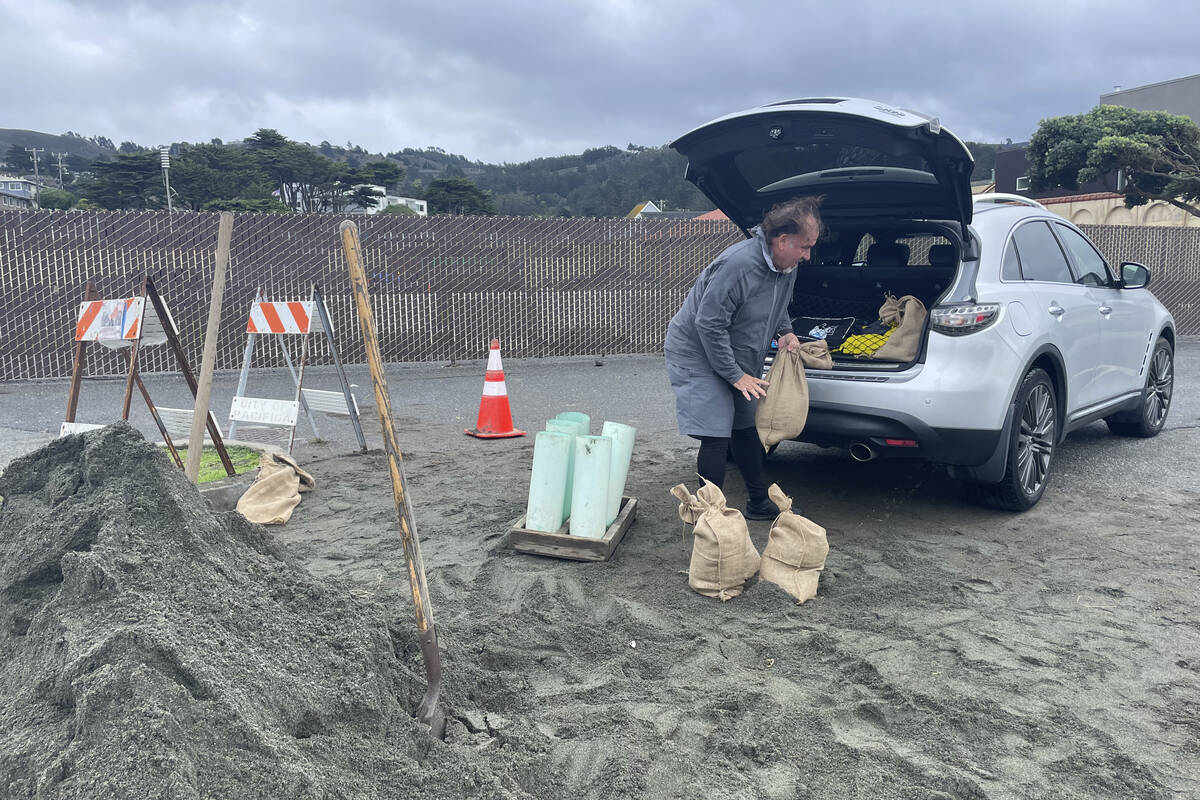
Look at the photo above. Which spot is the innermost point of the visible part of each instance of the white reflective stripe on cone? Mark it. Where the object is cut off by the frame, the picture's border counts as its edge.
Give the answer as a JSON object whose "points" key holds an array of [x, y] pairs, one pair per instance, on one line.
{"points": [[494, 361], [494, 389]]}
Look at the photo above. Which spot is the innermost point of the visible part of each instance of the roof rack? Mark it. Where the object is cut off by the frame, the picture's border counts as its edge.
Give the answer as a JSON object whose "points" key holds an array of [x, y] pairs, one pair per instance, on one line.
{"points": [[1000, 197]]}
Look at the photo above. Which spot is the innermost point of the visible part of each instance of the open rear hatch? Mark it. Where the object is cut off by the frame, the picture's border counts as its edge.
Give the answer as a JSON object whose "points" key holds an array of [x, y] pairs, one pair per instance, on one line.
{"points": [[868, 160], [897, 199]]}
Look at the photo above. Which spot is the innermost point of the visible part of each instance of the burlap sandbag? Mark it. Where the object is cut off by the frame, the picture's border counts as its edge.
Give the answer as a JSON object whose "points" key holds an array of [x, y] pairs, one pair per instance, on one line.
{"points": [[816, 354], [908, 314], [796, 550], [275, 493], [723, 557], [783, 412]]}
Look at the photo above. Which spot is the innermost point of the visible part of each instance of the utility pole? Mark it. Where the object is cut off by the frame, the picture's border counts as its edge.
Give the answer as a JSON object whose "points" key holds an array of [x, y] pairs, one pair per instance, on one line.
{"points": [[36, 177], [164, 154], [61, 185]]}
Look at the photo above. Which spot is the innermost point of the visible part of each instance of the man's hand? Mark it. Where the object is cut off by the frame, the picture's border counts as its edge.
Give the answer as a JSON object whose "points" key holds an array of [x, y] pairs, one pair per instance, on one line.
{"points": [[751, 387], [789, 341]]}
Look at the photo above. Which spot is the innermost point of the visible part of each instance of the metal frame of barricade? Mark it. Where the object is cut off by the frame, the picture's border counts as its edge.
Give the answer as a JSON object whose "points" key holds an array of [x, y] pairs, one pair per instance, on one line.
{"points": [[284, 413]]}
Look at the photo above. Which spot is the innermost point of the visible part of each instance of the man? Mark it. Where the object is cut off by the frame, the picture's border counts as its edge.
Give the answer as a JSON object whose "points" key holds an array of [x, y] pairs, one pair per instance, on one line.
{"points": [[718, 339]]}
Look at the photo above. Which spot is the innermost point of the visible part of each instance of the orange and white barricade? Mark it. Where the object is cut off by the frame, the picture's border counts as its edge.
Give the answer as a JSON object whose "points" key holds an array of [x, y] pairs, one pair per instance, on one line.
{"points": [[284, 319], [132, 323]]}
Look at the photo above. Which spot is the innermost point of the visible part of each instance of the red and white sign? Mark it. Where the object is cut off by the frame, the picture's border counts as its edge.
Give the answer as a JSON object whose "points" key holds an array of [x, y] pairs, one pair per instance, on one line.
{"points": [[269, 317], [110, 320]]}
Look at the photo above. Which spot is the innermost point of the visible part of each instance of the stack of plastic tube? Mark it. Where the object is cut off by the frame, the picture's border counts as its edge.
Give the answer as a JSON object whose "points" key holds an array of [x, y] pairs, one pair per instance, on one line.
{"points": [[577, 476]]}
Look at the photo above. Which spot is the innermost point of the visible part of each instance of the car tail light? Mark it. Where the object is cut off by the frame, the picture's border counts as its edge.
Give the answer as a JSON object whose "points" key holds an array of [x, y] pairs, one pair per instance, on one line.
{"points": [[959, 320]]}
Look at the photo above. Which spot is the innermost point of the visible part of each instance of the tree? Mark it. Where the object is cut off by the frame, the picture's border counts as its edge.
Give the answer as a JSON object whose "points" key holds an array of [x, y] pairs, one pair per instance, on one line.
{"points": [[398, 210], [386, 173], [18, 159], [1157, 153], [55, 198], [458, 196], [364, 196], [130, 180]]}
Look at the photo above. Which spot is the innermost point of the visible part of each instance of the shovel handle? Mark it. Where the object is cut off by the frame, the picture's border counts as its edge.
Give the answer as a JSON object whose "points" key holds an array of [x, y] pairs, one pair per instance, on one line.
{"points": [[366, 321], [428, 711]]}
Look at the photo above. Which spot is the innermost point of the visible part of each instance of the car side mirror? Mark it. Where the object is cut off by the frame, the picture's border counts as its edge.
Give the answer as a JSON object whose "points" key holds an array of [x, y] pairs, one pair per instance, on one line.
{"points": [[1134, 276]]}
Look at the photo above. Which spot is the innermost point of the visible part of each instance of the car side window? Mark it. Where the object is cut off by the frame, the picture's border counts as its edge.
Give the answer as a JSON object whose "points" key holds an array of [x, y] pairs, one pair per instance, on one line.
{"points": [[1093, 271], [1010, 268], [1041, 257]]}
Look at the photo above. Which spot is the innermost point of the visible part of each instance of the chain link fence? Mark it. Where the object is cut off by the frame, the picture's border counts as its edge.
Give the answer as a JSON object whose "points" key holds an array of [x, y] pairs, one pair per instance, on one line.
{"points": [[1171, 254], [441, 287]]}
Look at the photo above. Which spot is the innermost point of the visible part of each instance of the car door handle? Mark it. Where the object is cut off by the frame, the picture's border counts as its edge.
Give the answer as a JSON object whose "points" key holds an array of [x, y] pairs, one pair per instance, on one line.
{"points": [[1056, 310], [1105, 310]]}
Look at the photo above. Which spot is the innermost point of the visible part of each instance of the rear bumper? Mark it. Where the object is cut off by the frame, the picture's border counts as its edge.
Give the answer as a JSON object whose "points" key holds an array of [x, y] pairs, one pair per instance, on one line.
{"points": [[833, 425]]}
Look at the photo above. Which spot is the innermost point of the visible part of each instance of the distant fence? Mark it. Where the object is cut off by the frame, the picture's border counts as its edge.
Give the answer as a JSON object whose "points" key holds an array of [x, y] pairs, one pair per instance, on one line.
{"points": [[441, 287]]}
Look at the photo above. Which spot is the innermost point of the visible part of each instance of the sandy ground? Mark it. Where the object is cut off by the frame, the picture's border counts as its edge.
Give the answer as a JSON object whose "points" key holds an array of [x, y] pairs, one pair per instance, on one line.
{"points": [[952, 652]]}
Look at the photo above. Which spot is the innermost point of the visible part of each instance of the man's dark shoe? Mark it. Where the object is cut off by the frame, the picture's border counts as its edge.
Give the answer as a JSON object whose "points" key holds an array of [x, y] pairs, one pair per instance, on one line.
{"points": [[764, 509]]}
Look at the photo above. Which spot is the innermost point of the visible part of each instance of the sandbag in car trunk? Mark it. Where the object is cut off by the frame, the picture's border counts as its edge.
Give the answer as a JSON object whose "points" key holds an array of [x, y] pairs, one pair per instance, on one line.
{"points": [[723, 557], [796, 550], [908, 315]]}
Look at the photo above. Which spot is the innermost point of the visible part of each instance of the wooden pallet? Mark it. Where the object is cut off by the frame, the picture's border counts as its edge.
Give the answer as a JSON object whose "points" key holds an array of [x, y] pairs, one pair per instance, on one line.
{"points": [[562, 544]]}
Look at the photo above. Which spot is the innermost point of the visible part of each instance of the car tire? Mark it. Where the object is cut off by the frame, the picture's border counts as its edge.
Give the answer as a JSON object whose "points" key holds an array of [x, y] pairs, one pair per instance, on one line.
{"points": [[1151, 413], [1031, 448]]}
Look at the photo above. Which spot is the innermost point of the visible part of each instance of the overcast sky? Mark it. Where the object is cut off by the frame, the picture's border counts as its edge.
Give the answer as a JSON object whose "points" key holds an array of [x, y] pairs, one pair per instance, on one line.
{"points": [[508, 82]]}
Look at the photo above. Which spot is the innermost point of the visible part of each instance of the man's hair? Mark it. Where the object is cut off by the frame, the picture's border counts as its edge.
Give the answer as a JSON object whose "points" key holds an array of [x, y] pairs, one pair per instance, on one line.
{"points": [[791, 216]]}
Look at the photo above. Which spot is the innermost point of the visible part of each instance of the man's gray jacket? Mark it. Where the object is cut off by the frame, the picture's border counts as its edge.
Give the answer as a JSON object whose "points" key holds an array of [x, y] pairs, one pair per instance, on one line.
{"points": [[739, 303]]}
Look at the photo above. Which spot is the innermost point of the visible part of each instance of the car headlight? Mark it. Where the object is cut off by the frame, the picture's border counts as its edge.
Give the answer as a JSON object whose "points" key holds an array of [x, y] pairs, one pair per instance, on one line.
{"points": [[959, 320]]}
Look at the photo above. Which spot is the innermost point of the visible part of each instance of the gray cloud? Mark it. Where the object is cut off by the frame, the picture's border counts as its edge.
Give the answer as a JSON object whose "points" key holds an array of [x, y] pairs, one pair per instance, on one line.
{"points": [[501, 83]]}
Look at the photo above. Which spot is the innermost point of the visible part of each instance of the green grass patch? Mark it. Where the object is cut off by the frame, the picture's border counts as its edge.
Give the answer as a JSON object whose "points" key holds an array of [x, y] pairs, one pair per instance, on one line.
{"points": [[211, 469]]}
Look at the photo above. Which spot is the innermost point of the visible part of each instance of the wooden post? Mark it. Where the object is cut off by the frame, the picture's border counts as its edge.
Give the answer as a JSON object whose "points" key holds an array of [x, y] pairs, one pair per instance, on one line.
{"points": [[428, 711], [160, 308], [207, 362]]}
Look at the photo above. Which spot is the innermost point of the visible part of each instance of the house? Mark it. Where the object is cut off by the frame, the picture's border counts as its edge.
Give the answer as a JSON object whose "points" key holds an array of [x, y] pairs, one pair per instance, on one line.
{"points": [[647, 207], [16, 193], [652, 210]]}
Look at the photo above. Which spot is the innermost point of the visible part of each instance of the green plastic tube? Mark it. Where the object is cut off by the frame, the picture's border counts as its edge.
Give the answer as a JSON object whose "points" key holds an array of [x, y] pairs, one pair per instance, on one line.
{"points": [[572, 428], [548, 481], [589, 493], [578, 416], [622, 436]]}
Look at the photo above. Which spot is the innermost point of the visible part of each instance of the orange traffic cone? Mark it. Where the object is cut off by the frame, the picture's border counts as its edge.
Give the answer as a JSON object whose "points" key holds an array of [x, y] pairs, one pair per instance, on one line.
{"points": [[495, 418]]}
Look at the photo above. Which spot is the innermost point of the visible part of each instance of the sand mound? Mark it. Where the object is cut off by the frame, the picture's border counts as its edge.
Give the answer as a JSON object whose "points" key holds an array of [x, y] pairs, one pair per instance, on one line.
{"points": [[152, 648]]}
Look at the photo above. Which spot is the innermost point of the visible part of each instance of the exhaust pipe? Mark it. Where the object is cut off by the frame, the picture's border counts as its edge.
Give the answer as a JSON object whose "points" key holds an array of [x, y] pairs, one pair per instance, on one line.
{"points": [[862, 452]]}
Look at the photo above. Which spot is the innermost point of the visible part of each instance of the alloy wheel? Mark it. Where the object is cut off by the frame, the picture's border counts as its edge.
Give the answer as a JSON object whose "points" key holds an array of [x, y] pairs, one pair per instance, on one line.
{"points": [[1035, 440], [1159, 386]]}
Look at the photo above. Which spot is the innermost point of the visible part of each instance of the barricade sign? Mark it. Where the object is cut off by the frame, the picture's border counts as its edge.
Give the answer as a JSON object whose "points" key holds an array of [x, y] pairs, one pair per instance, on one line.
{"points": [[280, 318], [131, 323]]}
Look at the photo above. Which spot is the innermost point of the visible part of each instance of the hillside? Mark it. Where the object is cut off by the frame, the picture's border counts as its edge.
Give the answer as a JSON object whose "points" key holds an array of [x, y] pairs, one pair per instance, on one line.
{"points": [[67, 144], [600, 182]]}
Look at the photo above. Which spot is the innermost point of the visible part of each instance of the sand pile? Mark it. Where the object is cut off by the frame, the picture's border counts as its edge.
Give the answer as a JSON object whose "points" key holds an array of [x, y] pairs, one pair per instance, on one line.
{"points": [[152, 648]]}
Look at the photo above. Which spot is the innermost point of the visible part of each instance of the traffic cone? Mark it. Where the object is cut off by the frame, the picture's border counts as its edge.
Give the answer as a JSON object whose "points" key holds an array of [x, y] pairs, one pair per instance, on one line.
{"points": [[495, 418]]}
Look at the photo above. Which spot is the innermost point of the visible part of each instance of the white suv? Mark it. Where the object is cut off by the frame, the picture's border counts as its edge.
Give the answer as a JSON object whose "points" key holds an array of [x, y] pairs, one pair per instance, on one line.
{"points": [[1030, 333]]}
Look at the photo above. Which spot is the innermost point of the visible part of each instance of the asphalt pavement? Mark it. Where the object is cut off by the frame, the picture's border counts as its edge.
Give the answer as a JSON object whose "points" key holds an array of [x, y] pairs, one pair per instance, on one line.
{"points": [[440, 401]]}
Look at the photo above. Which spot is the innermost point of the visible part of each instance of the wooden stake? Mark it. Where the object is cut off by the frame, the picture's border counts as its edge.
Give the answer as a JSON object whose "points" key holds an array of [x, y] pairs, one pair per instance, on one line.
{"points": [[429, 710], [207, 362]]}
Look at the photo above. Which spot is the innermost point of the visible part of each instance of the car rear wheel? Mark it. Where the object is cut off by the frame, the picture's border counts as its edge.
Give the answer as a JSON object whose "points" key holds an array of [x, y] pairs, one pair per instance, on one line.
{"points": [[1151, 415], [1030, 450]]}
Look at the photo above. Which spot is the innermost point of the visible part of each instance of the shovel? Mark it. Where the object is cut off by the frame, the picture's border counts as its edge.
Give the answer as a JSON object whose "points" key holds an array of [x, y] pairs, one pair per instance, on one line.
{"points": [[429, 711]]}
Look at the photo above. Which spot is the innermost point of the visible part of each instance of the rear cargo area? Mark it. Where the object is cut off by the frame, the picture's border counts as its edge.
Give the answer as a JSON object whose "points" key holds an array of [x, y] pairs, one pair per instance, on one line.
{"points": [[838, 294]]}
